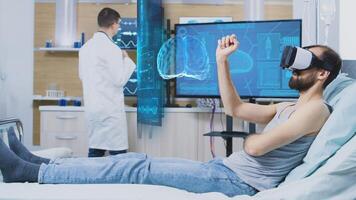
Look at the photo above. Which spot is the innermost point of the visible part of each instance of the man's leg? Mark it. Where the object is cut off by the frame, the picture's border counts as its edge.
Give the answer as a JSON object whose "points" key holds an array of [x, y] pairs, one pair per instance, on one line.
{"points": [[80, 160], [122, 168], [197, 177], [96, 152], [20, 150], [139, 169], [14, 169]]}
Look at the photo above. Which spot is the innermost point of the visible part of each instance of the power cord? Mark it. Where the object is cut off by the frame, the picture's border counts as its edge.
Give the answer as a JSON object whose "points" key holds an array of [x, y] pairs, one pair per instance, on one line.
{"points": [[212, 141]]}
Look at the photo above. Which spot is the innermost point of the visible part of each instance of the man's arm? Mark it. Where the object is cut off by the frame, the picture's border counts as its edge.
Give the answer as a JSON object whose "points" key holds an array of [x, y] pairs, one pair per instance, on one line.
{"points": [[233, 104], [306, 120]]}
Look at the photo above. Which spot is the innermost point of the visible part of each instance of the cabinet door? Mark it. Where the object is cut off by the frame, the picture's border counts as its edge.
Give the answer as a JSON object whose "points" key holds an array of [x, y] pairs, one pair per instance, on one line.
{"points": [[175, 138], [76, 141], [63, 121], [136, 143], [64, 129]]}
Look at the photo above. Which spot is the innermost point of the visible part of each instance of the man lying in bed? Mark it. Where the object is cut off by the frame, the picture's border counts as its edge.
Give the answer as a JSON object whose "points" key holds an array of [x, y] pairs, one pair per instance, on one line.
{"points": [[266, 160]]}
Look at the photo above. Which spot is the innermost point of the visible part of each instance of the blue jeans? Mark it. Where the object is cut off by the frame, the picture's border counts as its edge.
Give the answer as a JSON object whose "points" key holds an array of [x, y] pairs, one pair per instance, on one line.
{"points": [[101, 152], [135, 168]]}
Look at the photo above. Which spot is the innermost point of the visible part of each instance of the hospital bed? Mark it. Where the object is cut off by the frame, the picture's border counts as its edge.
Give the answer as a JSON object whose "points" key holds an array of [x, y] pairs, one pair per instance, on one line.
{"points": [[328, 171]]}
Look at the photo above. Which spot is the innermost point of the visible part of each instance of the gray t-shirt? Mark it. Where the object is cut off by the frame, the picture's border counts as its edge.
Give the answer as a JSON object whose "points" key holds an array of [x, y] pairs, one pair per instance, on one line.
{"points": [[267, 171]]}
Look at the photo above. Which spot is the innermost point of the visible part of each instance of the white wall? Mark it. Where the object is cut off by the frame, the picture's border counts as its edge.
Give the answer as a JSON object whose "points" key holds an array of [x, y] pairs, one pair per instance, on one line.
{"points": [[16, 62], [334, 30], [342, 30], [347, 26], [313, 28], [2, 62], [306, 10]]}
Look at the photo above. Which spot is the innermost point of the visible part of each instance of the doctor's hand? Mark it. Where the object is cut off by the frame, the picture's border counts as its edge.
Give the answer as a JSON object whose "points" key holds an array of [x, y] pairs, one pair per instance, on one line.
{"points": [[226, 46], [124, 54]]}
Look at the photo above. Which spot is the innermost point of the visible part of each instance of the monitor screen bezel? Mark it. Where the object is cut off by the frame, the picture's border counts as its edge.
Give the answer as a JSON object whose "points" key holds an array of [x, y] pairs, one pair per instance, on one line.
{"points": [[236, 22]]}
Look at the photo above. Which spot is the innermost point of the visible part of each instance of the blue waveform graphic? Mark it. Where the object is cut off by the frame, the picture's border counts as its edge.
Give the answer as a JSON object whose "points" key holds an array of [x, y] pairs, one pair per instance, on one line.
{"points": [[126, 38], [130, 89]]}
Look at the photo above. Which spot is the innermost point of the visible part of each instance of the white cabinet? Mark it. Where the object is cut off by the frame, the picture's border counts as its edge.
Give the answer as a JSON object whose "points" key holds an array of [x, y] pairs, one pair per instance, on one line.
{"points": [[136, 144], [177, 137], [64, 129], [181, 133]]}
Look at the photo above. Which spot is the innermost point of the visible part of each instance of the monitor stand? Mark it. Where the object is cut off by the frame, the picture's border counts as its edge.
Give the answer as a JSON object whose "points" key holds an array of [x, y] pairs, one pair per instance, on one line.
{"points": [[229, 134], [169, 98]]}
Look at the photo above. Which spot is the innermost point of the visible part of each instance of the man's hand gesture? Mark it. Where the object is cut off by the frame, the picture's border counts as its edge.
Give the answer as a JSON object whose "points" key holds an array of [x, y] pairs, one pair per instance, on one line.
{"points": [[226, 45]]}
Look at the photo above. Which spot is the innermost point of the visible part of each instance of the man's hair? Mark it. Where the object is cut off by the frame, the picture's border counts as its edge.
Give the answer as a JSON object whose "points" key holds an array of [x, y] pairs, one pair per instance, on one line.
{"points": [[107, 17], [331, 58]]}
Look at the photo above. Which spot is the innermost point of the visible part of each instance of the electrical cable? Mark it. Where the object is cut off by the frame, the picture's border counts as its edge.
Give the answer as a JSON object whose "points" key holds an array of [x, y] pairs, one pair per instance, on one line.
{"points": [[212, 142]]}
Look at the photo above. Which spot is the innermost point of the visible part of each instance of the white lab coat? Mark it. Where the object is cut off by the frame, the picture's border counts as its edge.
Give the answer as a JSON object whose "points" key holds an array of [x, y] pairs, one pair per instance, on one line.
{"points": [[104, 72]]}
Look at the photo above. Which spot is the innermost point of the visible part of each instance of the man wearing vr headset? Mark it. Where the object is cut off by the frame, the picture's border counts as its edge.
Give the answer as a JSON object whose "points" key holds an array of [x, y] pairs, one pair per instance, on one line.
{"points": [[291, 127]]}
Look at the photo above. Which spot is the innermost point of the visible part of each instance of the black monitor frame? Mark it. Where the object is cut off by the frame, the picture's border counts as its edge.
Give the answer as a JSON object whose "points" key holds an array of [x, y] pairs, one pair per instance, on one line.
{"points": [[234, 22]]}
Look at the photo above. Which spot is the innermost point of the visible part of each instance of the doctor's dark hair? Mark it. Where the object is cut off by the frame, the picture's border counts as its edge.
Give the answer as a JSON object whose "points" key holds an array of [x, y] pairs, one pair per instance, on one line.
{"points": [[107, 17], [330, 58]]}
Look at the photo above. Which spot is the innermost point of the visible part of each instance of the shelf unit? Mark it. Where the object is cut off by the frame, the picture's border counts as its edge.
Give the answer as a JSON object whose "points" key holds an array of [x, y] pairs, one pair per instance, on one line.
{"points": [[68, 49], [57, 49], [45, 98]]}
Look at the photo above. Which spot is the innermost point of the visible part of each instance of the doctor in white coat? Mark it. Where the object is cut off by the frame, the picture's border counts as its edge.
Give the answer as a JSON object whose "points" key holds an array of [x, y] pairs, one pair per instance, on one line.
{"points": [[104, 69]]}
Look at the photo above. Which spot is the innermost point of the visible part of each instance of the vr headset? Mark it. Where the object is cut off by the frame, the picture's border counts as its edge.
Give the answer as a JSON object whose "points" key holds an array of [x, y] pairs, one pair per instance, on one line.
{"points": [[296, 58]]}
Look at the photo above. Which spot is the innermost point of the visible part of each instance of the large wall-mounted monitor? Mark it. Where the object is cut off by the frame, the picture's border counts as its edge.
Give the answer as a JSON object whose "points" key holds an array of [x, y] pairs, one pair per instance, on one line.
{"points": [[254, 67]]}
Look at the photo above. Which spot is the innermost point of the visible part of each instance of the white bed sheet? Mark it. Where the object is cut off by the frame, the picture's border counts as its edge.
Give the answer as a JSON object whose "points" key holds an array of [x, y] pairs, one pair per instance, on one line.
{"points": [[27, 191], [334, 180]]}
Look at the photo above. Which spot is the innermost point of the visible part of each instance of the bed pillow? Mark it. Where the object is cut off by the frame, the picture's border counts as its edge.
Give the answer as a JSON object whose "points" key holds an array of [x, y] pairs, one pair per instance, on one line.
{"points": [[335, 87], [338, 129], [334, 180]]}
